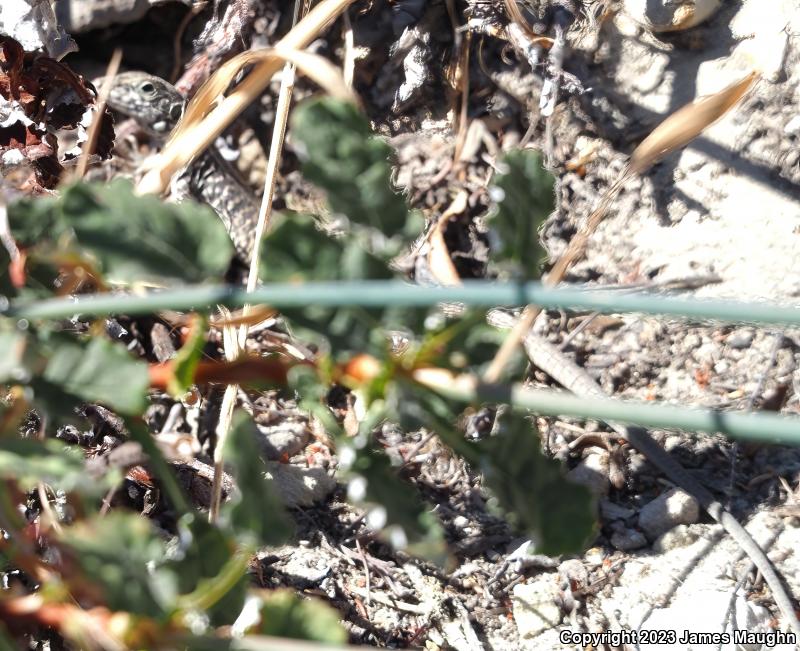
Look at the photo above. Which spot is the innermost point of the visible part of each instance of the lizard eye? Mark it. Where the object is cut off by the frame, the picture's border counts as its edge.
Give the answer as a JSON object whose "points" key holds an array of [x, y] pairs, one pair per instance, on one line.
{"points": [[175, 112], [147, 88]]}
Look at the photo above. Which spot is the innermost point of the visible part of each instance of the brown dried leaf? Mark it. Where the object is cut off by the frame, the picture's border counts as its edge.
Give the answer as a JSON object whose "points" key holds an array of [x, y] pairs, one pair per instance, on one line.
{"points": [[439, 260], [38, 97]]}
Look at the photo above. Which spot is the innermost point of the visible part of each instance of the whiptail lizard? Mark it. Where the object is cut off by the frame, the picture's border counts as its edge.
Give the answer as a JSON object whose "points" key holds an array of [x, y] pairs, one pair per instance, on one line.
{"points": [[157, 107]]}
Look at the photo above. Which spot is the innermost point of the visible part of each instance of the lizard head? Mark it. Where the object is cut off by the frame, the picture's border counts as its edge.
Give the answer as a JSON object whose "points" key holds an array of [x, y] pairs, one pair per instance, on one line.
{"points": [[155, 104]]}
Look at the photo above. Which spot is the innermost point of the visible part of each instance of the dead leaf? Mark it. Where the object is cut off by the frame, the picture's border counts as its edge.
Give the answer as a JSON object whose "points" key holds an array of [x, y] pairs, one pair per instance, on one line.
{"points": [[39, 97], [439, 260]]}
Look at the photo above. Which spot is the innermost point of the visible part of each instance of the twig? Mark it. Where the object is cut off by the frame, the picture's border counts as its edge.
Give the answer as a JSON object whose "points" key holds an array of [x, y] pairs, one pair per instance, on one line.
{"points": [[409, 456], [41, 489], [94, 128], [576, 331], [233, 350], [751, 401], [234, 347], [368, 598], [415, 609], [349, 62], [176, 43]]}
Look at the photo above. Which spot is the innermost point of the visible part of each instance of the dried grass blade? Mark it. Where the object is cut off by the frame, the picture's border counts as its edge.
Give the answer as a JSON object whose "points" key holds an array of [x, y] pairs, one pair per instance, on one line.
{"points": [[196, 135], [685, 124], [94, 128], [678, 130]]}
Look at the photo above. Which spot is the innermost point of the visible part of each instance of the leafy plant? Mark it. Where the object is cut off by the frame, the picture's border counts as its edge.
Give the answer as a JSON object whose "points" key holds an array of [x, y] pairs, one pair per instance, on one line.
{"points": [[188, 582], [121, 236]]}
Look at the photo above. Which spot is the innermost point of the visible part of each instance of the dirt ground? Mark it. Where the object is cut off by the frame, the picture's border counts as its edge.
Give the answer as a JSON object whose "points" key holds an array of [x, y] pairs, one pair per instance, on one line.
{"points": [[721, 216]]}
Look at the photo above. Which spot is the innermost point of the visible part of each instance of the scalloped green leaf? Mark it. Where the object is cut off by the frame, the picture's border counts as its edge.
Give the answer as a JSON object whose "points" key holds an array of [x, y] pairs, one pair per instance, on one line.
{"points": [[128, 238], [285, 614], [29, 461], [532, 491], [341, 155], [255, 513]]}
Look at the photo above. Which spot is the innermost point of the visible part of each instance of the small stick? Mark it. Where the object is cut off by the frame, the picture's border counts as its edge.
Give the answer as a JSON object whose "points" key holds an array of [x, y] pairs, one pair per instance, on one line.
{"points": [[94, 128]]}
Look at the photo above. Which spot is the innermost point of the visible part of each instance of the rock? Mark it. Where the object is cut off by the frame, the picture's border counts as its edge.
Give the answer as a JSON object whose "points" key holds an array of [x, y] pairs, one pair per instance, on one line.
{"points": [[308, 566], [299, 487], [628, 539], [459, 522], [592, 472], [670, 16], [792, 127], [86, 15], [667, 511], [611, 511], [680, 536], [574, 570], [535, 607], [740, 339], [287, 438], [34, 25]]}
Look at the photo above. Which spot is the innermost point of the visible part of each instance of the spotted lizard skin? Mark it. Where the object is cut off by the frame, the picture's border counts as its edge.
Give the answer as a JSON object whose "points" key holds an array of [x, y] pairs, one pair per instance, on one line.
{"points": [[157, 107]]}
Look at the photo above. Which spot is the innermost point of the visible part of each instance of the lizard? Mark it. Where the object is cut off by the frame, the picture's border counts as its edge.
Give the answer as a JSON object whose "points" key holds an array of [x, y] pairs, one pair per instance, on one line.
{"points": [[157, 106], [562, 369]]}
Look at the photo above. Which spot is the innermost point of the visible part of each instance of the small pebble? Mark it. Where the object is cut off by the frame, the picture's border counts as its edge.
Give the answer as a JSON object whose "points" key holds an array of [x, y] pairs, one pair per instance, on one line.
{"points": [[592, 472], [628, 540], [680, 536], [611, 511], [459, 522], [668, 511], [740, 339]]}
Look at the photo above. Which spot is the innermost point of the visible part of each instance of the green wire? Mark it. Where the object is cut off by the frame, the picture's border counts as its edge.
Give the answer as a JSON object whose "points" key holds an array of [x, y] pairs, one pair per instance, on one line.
{"points": [[397, 294]]}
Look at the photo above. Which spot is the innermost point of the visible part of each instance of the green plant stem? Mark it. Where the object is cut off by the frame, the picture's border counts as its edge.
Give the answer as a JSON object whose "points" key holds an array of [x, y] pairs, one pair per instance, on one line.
{"points": [[393, 293], [767, 428], [210, 591]]}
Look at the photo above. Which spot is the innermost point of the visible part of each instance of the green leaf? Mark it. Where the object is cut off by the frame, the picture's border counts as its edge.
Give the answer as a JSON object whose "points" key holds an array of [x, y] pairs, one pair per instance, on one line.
{"points": [[296, 250], [188, 358], [204, 554], [6, 643], [64, 371], [98, 371], [391, 503], [342, 156], [128, 238], [532, 491], [29, 461], [284, 614], [525, 198], [467, 344], [255, 513], [122, 556], [7, 290]]}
